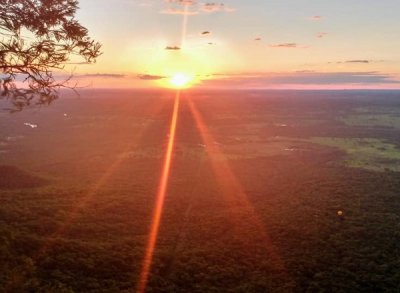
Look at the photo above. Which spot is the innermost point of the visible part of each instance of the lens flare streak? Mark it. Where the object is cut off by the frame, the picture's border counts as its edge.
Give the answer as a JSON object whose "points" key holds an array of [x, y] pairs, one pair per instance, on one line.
{"points": [[82, 203], [184, 26], [234, 195], [160, 199]]}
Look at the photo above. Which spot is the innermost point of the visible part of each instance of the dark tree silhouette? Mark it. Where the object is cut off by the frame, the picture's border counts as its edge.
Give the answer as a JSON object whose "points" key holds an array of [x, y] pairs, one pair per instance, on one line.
{"points": [[38, 37]]}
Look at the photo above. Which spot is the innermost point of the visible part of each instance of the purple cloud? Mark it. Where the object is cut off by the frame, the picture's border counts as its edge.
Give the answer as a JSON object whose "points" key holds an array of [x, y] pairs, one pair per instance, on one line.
{"points": [[284, 45], [302, 78], [150, 77]]}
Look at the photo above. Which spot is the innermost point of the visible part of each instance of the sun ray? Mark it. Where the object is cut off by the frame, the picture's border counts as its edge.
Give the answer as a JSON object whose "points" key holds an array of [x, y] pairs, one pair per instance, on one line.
{"points": [[233, 192], [84, 201], [184, 26], [161, 194]]}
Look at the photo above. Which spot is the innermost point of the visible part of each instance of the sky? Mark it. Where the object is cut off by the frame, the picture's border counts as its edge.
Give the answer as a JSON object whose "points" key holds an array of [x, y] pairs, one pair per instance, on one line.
{"points": [[273, 44]]}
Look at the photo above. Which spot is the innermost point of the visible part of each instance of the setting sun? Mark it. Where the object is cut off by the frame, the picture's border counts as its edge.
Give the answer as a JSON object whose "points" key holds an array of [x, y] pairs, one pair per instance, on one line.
{"points": [[180, 80]]}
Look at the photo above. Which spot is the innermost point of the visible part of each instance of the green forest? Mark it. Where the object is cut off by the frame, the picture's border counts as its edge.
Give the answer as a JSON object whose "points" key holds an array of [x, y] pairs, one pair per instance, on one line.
{"points": [[298, 192]]}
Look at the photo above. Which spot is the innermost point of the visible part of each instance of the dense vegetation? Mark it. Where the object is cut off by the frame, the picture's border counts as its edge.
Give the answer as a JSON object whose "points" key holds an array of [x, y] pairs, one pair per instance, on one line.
{"points": [[88, 175]]}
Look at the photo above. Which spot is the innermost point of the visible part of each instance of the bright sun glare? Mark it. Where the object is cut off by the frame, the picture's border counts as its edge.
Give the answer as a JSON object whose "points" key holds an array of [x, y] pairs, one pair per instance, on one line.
{"points": [[180, 80]]}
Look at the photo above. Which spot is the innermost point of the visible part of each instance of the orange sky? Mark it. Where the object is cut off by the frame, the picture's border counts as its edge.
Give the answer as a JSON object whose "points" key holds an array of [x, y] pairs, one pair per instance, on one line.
{"points": [[246, 44]]}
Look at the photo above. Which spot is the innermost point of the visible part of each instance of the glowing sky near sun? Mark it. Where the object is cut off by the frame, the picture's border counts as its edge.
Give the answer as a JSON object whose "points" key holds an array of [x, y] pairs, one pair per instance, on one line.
{"points": [[255, 43]]}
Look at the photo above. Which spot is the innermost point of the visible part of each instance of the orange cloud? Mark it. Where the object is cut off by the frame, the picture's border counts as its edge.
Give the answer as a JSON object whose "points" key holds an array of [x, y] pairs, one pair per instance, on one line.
{"points": [[182, 7], [315, 17]]}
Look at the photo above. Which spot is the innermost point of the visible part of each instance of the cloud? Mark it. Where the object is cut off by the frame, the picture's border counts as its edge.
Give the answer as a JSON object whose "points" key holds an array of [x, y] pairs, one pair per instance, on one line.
{"points": [[172, 48], [102, 75], [321, 35], [358, 61], [211, 7], [302, 79], [150, 77], [284, 45], [315, 17], [191, 7], [179, 7]]}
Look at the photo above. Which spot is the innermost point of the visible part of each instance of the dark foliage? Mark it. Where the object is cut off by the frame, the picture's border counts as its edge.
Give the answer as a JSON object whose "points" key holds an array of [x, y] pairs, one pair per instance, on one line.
{"points": [[15, 178], [208, 241], [36, 38]]}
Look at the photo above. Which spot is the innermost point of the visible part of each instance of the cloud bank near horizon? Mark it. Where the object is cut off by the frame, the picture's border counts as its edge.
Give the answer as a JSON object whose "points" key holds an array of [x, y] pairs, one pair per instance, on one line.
{"points": [[298, 79], [306, 78]]}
